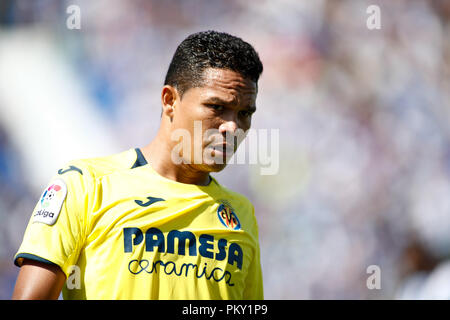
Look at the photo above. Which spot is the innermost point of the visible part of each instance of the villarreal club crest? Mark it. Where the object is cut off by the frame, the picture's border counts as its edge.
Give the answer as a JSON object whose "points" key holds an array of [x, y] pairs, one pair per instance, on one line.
{"points": [[228, 217]]}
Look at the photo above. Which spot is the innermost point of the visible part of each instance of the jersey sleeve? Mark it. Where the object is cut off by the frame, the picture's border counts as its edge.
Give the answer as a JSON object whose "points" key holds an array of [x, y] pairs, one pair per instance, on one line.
{"points": [[57, 228], [254, 289]]}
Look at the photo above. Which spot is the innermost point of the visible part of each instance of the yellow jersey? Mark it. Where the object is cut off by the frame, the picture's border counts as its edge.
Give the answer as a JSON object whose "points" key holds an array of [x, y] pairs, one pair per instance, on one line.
{"points": [[119, 230]]}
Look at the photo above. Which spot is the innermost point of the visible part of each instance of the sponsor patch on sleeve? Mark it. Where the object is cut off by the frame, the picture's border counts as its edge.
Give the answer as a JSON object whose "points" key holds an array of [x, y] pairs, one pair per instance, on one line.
{"points": [[51, 202]]}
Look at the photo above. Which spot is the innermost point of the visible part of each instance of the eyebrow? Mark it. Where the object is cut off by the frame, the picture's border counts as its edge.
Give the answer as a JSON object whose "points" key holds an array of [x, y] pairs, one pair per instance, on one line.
{"points": [[217, 100]]}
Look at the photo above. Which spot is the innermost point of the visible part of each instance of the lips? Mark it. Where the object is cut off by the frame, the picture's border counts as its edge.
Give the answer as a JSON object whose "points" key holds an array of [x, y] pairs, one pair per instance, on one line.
{"points": [[224, 148]]}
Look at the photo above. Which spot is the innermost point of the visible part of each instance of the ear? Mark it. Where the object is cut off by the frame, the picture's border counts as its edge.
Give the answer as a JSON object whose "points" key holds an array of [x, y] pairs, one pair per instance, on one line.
{"points": [[169, 99]]}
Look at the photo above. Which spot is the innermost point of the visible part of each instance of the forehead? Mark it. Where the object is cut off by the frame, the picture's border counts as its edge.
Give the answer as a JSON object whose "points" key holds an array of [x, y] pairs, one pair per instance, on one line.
{"points": [[227, 85]]}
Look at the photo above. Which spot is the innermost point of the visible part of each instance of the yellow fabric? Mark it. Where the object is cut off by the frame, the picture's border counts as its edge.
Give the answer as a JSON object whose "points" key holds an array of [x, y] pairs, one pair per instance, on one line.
{"points": [[134, 234]]}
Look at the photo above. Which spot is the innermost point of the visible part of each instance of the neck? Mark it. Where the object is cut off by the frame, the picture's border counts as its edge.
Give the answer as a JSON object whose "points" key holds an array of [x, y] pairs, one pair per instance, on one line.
{"points": [[158, 155]]}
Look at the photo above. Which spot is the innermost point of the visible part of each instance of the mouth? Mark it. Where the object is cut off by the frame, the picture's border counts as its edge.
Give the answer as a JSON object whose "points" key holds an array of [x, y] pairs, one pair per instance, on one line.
{"points": [[223, 149]]}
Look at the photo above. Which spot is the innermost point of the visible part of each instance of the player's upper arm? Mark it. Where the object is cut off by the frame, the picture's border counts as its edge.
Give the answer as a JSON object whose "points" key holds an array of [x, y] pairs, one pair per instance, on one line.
{"points": [[38, 281], [254, 289], [57, 228]]}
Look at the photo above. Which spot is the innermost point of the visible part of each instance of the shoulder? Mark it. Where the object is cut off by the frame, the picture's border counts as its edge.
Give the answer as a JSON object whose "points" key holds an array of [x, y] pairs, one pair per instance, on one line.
{"points": [[79, 179], [238, 202], [97, 167], [82, 175], [241, 200], [233, 196]]}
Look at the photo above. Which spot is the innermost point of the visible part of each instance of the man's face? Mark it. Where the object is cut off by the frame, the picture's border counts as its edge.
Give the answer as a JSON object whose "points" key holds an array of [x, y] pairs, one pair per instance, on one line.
{"points": [[216, 116]]}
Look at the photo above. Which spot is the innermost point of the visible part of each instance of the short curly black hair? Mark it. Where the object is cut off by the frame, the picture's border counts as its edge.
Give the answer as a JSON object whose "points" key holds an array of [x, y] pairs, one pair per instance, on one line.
{"points": [[211, 49]]}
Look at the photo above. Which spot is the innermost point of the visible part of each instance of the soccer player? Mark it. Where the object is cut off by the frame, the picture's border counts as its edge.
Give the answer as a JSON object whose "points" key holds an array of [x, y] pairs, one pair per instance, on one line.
{"points": [[151, 222]]}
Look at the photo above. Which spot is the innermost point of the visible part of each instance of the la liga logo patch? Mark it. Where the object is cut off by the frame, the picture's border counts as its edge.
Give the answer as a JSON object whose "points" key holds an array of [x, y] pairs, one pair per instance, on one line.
{"points": [[51, 193], [228, 217], [51, 201]]}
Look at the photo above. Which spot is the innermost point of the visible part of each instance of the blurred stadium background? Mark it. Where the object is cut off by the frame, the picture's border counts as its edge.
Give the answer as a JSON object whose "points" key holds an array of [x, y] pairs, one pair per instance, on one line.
{"points": [[363, 115]]}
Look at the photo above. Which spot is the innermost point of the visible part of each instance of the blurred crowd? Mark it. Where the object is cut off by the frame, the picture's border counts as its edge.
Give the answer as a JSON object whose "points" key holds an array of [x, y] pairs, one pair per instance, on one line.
{"points": [[363, 118]]}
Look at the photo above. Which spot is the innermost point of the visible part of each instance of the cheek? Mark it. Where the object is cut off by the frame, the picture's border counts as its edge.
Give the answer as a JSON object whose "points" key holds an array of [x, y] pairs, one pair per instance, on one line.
{"points": [[188, 112], [245, 124], [182, 118], [211, 122], [249, 121]]}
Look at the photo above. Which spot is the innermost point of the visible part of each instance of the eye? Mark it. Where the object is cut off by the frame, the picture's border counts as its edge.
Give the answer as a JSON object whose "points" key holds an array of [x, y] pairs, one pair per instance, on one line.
{"points": [[216, 107]]}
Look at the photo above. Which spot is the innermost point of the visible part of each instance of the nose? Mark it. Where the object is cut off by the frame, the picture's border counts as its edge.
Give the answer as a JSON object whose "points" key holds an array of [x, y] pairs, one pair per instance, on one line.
{"points": [[228, 126]]}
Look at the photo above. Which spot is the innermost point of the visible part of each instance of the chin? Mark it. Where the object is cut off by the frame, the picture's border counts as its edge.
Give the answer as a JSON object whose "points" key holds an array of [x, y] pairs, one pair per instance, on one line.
{"points": [[217, 167], [213, 167]]}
